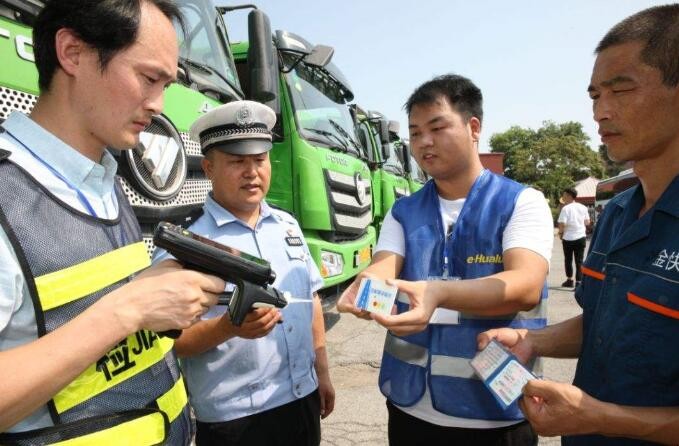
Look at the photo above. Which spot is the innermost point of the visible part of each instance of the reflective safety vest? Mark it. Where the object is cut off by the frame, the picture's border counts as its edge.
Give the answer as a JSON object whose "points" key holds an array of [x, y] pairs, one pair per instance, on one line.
{"points": [[439, 356], [135, 393]]}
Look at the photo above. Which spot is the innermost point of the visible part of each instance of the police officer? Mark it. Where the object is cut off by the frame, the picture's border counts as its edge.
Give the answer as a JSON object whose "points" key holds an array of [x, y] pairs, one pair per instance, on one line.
{"points": [[265, 382], [489, 239]]}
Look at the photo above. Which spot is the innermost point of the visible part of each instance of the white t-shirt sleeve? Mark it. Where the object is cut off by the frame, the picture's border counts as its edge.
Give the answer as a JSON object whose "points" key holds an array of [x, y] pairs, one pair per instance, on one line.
{"points": [[530, 225], [391, 236], [562, 216]]}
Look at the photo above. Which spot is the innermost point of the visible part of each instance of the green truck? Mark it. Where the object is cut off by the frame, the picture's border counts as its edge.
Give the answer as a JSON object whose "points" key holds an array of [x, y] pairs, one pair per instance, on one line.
{"points": [[380, 138], [319, 169], [415, 175], [162, 176]]}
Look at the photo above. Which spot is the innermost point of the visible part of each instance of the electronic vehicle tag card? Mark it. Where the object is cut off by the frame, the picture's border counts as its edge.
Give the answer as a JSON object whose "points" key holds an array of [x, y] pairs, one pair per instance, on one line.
{"points": [[501, 372], [376, 296]]}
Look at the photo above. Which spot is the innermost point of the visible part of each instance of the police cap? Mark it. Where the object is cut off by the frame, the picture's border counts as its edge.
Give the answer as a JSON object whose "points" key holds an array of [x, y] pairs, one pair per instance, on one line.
{"points": [[238, 128]]}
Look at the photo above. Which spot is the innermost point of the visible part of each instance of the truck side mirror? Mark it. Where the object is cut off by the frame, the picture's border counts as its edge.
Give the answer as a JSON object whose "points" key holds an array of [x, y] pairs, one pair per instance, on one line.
{"points": [[383, 128], [320, 56], [405, 154], [364, 139], [394, 128], [262, 61]]}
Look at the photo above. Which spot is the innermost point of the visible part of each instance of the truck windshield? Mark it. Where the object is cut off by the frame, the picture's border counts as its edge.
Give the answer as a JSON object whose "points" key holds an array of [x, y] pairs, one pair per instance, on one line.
{"points": [[417, 174], [204, 50], [392, 163], [321, 113]]}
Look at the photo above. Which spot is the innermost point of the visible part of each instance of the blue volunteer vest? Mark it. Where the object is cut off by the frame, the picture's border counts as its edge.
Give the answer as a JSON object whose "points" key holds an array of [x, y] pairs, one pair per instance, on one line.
{"points": [[439, 356]]}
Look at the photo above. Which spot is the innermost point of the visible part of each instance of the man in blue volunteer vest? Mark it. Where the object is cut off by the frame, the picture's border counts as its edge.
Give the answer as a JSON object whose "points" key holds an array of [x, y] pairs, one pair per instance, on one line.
{"points": [[490, 240], [80, 360], [626, 387], [267, 381]]}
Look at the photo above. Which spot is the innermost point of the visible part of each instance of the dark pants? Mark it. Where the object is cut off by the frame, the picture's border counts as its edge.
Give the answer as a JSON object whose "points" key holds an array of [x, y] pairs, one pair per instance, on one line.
{"points": [[406, 430], [573, 249], [294, 424]]}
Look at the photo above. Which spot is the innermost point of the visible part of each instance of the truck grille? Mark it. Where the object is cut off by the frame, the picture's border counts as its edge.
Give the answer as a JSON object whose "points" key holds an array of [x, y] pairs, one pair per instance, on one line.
{"points": [[350, 202], [15, 100]]}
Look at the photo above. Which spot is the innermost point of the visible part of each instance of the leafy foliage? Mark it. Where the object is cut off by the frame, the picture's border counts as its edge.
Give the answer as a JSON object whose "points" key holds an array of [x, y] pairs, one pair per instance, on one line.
{"points": [[550, 158], [611, 167]]}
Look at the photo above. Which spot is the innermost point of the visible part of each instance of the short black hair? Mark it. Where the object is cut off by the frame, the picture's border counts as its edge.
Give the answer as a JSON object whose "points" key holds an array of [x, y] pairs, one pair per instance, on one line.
{"points": [[658, 29], [462, 94], [571, 191], [108, 26]]}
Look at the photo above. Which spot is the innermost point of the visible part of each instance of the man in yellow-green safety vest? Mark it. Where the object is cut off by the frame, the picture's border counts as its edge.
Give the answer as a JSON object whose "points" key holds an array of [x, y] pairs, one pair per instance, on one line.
{"points": [[80, 358]]}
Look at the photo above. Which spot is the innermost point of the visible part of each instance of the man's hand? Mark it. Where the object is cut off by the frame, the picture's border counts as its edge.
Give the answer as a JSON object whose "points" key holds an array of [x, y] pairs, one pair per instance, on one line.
{"points": [[258, 323], [164, 298], [347, 301], [422, 306], [558, 409], [514, 339], [326, 392]]}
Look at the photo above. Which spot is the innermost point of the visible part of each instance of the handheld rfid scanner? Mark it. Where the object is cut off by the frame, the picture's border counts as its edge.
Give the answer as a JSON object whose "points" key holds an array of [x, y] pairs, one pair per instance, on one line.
{"points": [[250, 275]]}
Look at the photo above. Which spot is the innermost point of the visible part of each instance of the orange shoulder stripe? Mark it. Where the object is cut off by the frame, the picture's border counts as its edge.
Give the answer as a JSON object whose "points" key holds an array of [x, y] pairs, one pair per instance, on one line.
{"points": [[592, 273], [652, 306]]}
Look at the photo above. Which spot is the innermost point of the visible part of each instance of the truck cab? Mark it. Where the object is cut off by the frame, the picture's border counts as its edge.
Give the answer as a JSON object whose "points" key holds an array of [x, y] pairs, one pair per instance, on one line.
{"points": [[380, 138], [319, 169]]}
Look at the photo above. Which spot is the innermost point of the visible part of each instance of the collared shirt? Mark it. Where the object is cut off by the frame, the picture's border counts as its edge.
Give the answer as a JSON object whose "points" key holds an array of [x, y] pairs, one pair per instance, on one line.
{"points": [[95, 181], [241, 377], [630, 301]]}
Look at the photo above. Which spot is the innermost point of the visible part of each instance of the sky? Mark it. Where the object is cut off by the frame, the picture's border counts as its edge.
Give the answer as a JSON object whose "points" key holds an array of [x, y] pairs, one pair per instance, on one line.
{"points": [[531, 59]]}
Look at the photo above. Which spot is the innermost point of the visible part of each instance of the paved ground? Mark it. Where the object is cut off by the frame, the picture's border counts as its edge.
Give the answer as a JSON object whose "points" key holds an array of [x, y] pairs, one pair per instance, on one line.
{"points": [[355, 346]]}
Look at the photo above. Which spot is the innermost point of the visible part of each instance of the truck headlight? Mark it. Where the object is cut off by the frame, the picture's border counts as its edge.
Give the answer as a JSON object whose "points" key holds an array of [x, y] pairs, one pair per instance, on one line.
{"points": [[332, 264]]}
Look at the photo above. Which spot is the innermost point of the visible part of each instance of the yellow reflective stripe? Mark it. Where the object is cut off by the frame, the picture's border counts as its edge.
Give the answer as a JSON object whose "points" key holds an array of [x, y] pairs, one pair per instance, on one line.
{"points": [[77, 281], [145, 431], [174, 400], [124, 362]]}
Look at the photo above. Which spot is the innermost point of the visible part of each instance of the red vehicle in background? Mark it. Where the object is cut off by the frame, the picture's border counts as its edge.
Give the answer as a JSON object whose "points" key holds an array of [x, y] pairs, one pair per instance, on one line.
{"points": [[610, 187]]}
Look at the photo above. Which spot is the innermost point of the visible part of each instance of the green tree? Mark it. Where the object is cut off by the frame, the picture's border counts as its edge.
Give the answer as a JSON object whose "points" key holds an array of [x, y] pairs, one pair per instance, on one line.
{"points": [[551, 158], [612, 168]]}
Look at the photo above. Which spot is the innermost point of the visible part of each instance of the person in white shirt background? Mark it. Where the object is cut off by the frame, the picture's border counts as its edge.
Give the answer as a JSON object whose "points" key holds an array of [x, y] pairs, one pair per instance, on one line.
{"points": [[573, 221]]}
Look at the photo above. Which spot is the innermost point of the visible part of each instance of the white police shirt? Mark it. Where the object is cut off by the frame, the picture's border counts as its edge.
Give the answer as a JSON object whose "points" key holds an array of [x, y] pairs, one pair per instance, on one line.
{"points": [[241, 377]]}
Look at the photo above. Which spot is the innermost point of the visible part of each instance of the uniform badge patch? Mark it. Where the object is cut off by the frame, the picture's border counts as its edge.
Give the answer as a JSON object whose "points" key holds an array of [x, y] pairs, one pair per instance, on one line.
{"points": [[293, 241]]}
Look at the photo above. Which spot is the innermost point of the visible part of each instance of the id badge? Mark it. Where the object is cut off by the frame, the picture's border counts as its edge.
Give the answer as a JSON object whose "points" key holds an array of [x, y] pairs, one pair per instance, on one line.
{"points": [[501, 372], [444, 315]]}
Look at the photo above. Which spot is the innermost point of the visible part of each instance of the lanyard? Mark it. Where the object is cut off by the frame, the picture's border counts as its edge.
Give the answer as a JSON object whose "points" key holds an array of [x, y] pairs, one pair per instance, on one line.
{"points": [[446, 239], [81, 197]]}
